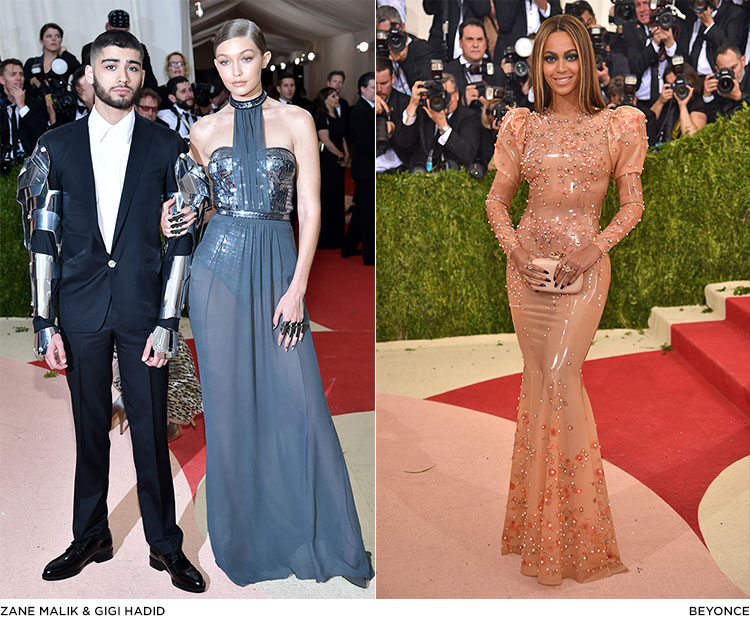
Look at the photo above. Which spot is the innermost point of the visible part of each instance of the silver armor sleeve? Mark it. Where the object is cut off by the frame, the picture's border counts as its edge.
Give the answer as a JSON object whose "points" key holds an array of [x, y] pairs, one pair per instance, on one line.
{"points": [[193, 190], [40, 208]]}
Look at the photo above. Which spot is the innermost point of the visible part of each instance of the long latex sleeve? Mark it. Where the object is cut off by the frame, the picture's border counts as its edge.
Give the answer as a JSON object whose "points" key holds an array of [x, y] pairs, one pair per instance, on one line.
{"points": [[498, 214], [629, 214]]}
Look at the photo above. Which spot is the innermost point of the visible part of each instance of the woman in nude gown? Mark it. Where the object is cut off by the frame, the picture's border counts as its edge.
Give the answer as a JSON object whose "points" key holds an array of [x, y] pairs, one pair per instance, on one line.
{"points": [[558, 516]]}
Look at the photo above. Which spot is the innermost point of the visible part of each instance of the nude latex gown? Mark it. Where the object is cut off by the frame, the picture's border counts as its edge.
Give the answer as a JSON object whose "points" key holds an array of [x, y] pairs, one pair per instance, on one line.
{"points": [[558, 516]]}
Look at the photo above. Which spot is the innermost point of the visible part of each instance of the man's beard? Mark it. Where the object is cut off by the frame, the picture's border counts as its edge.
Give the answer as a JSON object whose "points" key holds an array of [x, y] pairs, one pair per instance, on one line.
{"points": [[121, 103], [183, 103]]}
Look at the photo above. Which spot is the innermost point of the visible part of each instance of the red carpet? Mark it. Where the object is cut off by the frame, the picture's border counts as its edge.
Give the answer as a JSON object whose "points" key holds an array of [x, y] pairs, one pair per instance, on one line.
{"points": [[659, 418]]}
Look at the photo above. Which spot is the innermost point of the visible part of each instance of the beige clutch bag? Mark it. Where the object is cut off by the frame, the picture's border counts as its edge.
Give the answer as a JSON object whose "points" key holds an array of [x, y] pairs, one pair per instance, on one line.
{"points": [[550, 265]]}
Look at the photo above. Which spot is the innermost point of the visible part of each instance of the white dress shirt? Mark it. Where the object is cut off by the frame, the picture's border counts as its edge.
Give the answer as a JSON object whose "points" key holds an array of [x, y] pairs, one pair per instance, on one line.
{"points": [[110, 148], [533, 21], [644, 90], [703, 66], [178, 120]]}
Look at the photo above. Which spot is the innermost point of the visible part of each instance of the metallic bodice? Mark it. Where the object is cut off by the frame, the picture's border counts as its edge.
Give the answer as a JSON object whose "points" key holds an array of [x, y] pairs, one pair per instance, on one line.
{"points": [[282, 173]]}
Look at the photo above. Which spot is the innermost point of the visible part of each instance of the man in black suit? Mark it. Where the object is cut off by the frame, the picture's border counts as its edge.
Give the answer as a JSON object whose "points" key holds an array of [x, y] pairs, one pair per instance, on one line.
{"points": [[472, 67], [410, 64], [448, 138], [96, 258], [394, 154], [454, 12], [516, 19], [362, 135], [727, 57], [23, 118], [647, 47], [335, 80], [721, 23]]}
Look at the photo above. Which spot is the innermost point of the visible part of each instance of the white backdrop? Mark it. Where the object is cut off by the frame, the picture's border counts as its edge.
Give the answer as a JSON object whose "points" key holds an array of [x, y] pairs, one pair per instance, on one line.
{"points": [[163, 25]]}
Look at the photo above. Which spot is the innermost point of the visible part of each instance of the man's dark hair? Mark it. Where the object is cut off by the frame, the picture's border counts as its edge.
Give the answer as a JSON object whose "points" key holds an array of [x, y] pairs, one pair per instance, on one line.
{"points": [[364, 79], [147, 92], [9, 61], [119, 38], [284, 76], [46, 27], [729, 47], [173, 83], [472, 21], [616, 87], [383, 64], [336, 72], [387, 13], [77, 75]]}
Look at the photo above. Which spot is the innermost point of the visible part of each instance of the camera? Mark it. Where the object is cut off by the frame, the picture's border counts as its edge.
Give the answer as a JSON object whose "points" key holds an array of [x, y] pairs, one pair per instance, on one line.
{"points": [[726, 81], [382, 137], [698, 6], [63, 98], [598, 41], [203, 93], [680, 86], [475, 75], [628, 98], [393, 40], [624, 12], [575, 9], [437, 96], [666, 13], [517, 56], [499, 101]]}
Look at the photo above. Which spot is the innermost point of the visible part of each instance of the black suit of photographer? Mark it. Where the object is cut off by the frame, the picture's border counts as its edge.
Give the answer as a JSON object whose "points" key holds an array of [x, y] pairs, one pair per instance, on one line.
{"points": [[416, 65], [450, 11], [31, 89], [30, 126], [727, 106], [461, 146], [403, 137], [727, 28], [642, 57], [512, 25]]}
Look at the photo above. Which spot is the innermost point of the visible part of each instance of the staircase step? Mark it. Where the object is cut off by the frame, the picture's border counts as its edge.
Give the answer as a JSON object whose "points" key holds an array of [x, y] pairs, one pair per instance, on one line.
{"points": [[720, 352], [738, 314]]}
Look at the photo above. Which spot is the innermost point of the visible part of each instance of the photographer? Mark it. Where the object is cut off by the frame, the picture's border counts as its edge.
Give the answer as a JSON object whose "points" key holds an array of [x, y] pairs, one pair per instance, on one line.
{"points": [[393, 139], [54, 67], [23, 118], [84, 92], [446, 46], [471, 69], [179, 116], [621, 94], [730, 65], [720, 23], [448, 133], [520, 18], [679, 109], [647, 47], [410, 56]]}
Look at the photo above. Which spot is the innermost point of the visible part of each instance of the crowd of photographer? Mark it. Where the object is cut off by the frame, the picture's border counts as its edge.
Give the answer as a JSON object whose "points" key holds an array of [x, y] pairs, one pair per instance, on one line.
{"points": [[440, 102]]}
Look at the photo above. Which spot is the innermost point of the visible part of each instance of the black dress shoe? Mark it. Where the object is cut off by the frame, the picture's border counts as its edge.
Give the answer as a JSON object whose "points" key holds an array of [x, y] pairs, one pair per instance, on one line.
{"points": [[80, 552], [184, 575]]}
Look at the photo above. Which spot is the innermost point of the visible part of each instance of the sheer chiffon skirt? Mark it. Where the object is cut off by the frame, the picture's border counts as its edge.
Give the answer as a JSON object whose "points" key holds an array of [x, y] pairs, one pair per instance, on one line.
{"points": [[279, 499], [558, 516]]}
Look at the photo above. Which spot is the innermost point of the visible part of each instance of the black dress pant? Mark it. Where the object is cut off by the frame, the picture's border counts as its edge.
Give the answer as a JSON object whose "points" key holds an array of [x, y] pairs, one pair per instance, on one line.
{"points": [[144, 392], [362, 224]]}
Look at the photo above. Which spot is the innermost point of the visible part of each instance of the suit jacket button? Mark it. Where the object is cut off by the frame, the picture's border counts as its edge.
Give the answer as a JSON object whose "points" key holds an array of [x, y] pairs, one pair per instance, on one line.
{"points": [[111, 263]]}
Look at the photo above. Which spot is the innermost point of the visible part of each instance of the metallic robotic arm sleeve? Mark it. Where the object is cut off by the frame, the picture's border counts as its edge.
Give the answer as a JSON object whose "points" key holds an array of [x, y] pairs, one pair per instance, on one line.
{"points": [[193, 190], [41, 209]]}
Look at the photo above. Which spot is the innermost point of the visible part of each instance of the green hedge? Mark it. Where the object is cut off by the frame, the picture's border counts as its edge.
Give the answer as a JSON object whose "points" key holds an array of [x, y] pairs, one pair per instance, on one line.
{"points": [[15, 292], [441, 273]]}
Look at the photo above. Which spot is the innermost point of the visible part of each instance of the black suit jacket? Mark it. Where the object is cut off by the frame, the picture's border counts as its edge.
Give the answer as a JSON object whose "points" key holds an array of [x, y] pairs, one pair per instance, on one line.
{"points": [[131, 276], [725, 105], [462, 144], [30, 127], [511, 23], [416, 65], [150, 79], [728, 28], [362, 136], [404, 136], [641, 57], [72, 61], [450, 11]]}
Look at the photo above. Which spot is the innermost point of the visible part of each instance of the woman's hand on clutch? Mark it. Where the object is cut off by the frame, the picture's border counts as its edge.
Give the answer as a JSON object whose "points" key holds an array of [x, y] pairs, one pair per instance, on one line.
{"points": [[290, 316], [532, 275], [577, 262], [175, 225]]}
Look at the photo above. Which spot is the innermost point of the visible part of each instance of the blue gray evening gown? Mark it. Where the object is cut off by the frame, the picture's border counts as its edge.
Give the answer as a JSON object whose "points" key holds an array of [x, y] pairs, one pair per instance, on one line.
{"points": [[278, 492]]}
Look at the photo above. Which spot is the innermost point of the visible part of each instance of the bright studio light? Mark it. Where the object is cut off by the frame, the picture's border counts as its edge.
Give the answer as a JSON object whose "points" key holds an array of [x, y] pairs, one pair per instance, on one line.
{"points": [[311, 56], [296, 61], [363, 46], [198, 9], [282, 66], [272, 68]]}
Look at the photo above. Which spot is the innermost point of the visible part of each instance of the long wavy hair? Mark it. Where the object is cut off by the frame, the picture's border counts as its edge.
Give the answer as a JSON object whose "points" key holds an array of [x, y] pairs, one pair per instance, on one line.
{"points": [[589, 94]]}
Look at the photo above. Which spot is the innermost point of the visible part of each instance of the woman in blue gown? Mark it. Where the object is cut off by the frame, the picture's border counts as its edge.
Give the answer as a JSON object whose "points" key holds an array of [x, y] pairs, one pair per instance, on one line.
{"points": [[279, 500]]}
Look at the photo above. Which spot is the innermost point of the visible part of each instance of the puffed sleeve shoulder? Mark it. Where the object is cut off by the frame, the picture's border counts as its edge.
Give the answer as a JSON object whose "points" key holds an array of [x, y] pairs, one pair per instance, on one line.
{"points": [[509, 146], [628, 143]]}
